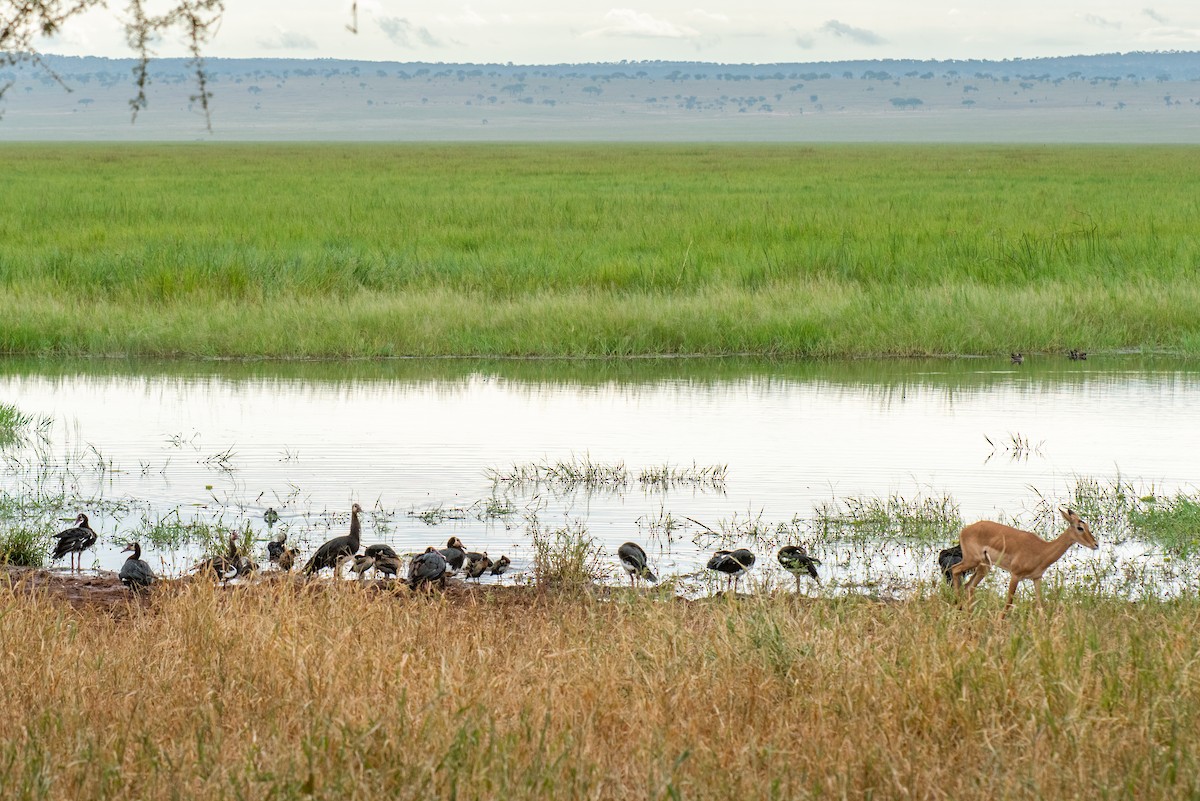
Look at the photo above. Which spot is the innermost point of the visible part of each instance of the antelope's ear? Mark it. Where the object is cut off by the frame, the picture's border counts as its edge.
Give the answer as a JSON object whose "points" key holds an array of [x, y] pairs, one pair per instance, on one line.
{"points": [[1066, 513]]}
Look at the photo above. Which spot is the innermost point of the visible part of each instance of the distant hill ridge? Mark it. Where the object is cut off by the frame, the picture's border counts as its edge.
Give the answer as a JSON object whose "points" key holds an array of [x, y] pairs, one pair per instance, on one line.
{"points": [[1142, 65], [1141, 97]]}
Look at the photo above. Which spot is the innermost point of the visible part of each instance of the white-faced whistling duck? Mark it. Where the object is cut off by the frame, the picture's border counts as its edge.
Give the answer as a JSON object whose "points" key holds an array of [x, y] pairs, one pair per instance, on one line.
{"points": [[387, 561], [475, 563], [223, 566]]}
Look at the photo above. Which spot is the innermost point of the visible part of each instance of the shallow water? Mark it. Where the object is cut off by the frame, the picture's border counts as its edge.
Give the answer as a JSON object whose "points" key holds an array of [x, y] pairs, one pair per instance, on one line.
{"points": [[132, 442]]}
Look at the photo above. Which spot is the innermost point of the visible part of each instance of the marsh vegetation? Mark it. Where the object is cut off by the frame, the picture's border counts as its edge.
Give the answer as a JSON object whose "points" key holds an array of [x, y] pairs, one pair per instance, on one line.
{"points": [[573, 250]]}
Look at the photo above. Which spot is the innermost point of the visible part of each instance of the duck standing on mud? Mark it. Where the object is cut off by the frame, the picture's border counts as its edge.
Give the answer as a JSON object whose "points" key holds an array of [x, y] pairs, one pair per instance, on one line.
{"points": [[276, 546], [136, 574], [223, 566], [387, 561], [362, 563], [501, 565], [74, 540], [427, 568], [454, 553], [338, 549], [633, 559], [287, 559], [476, 563]]}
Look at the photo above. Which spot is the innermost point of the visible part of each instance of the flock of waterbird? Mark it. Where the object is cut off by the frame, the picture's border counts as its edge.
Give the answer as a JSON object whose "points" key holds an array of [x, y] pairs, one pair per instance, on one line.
{"points": [[981, 546]]}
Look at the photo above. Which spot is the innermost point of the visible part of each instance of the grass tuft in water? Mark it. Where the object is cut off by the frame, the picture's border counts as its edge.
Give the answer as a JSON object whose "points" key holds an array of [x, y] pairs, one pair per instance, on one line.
{"points": [[567, 558], [567, 474], [24, 546], [16, 426], [929, 519], [1173, 523]]}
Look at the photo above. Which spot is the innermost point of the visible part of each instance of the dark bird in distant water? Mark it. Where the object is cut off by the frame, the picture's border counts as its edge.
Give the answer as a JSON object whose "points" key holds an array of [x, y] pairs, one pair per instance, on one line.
{"points": [[74, 541], [136, 574], [272, 517], [1016, 358], [454, 553], [633, 559], [501, 565], [1077, 355], [338, 549], [948, 558], [475, 563], [796, 561], [387, 561], [427, 568], [733, 564]]}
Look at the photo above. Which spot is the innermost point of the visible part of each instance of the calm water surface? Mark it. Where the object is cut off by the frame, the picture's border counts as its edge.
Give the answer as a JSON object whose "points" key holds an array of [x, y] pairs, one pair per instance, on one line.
{"points": [[222, 442]]}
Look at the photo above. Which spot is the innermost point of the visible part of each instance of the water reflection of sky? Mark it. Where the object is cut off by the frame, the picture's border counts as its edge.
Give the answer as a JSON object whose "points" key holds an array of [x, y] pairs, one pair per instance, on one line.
{"points": [[792, 439]]}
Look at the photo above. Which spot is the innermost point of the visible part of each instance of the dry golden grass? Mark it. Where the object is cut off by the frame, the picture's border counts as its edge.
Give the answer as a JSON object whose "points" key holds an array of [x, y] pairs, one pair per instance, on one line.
{"points": [[337, 691]]}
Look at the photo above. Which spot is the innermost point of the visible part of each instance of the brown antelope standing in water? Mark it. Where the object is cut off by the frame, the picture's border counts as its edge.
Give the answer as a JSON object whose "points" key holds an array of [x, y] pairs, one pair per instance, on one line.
{"points": [[1022, 554]]}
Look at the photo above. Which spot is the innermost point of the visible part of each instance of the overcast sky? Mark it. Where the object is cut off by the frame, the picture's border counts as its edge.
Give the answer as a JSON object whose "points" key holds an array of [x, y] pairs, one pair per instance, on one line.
{"points": [[756, 31]]}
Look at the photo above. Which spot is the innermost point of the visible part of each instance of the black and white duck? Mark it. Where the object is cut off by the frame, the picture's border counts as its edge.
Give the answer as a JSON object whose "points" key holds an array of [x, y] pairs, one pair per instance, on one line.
{"points": [[796, 561], [74, 541], [732, 564], [633, 559]]}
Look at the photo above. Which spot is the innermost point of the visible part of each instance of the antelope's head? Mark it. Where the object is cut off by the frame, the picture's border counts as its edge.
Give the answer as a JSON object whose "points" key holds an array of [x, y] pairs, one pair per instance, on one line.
{"points": [[1078, 529]]}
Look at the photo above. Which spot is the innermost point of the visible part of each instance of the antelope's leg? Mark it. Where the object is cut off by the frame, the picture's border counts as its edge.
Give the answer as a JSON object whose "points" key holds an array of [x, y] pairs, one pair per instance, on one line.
{"points": [[981, 570], [1012, 591]]}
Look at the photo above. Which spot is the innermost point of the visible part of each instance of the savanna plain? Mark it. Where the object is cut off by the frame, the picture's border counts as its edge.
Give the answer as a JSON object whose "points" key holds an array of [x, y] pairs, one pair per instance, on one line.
{"points": [[563, 687]]}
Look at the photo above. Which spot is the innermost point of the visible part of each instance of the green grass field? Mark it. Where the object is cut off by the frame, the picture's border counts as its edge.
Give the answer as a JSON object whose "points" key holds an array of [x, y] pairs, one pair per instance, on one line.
{"points": [[567, 250]]}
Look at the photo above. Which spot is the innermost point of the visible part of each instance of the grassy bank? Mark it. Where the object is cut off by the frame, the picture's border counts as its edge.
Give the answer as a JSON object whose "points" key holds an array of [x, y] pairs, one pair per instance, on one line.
{"points": [[336, 692], [333, 250]]}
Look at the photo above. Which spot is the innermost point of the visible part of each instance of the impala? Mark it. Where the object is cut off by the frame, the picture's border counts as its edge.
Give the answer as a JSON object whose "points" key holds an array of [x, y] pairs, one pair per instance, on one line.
{"points": [[1022, 554]]}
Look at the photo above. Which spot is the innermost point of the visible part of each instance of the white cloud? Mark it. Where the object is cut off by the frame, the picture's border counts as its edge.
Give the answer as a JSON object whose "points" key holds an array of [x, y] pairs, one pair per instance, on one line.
{"points": [[1171, 37], [1100, 22], [709, 16], [637, 24], [468, 17], [283, 39], [406, 34], [859, 35]]}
